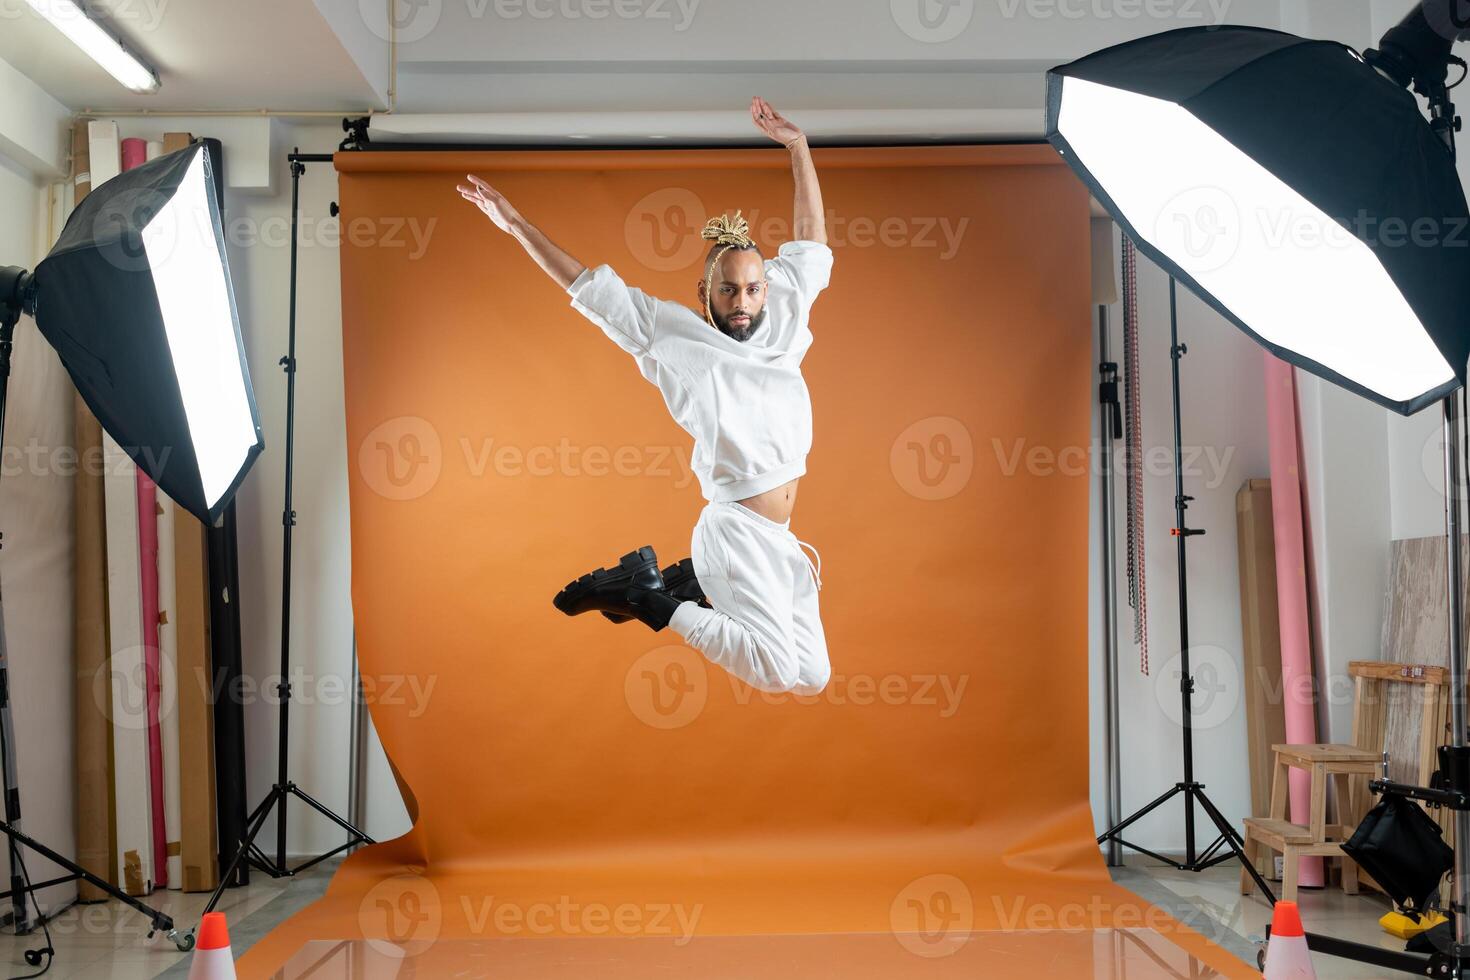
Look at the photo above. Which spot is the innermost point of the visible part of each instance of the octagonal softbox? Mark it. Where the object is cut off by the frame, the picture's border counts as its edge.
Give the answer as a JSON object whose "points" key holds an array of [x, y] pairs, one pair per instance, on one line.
{"points": [[1293, 188]]}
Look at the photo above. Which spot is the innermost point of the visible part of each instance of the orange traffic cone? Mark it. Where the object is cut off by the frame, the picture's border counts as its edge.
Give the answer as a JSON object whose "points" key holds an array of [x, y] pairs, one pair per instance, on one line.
{"points": [[212, 958], [1287, 956]]}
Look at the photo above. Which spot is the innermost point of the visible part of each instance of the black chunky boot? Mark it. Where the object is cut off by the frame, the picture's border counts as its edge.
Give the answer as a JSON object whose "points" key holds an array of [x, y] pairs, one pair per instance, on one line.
{"points": [[652, 607], [606, 589], [679, 582]]}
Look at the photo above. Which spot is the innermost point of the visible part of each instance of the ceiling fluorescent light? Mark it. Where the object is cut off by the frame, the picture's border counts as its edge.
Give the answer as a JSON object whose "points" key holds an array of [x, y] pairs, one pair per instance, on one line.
{"points": [[70, 19]]}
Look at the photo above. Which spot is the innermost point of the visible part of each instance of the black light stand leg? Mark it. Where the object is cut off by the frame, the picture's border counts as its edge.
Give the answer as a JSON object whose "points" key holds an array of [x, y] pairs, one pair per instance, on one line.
{"points": [[248, 851], [157, 920], [7, 728], [1192, 790], [7, 735], [10, 310]]}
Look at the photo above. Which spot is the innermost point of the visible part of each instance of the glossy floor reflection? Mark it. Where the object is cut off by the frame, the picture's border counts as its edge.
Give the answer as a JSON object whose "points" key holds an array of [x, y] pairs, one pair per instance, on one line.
{"points": [[1108, 954], [108, 940]]}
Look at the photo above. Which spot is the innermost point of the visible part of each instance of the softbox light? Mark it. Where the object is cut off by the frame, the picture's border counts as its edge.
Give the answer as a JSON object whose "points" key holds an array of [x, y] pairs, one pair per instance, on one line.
{"points": [[1290, 186], [137, 300]]}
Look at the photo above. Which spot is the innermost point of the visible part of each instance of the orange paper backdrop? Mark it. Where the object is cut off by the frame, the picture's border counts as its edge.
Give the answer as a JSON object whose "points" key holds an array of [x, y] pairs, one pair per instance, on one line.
{"points": [[568, 771]]}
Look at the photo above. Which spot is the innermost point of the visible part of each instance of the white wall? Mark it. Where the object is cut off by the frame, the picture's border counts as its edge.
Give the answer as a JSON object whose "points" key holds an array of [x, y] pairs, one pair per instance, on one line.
{"points": [[1345, 472], [1416, 475]]}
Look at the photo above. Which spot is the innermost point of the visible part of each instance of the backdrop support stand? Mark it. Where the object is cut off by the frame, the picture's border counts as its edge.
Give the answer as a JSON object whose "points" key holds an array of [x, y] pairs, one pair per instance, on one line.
{"points": [[1111, 417], [284, 789]]}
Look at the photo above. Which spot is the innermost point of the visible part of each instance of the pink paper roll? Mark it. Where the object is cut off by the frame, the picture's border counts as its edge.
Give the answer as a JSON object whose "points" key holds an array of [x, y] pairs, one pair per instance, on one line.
{"points": [[1298, 701], [148, 566], [134, 153]]}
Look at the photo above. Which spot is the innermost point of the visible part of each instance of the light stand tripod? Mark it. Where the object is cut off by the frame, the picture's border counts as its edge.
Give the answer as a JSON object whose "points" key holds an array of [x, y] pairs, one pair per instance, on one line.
{"points": [[12, 301], [1192, 790], [284, 788]]}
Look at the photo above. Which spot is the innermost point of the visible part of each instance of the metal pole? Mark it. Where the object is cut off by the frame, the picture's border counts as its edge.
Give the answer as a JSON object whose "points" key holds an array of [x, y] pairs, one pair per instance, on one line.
{"points": [[288, 521], [1181, 535], [357, 759], [248, 852], [8, 766], [1108, 375], [1452, 505]]}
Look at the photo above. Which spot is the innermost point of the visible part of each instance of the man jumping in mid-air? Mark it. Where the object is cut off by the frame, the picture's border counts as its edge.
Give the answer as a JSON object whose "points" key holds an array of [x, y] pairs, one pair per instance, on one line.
{"points": [[730, 373]]}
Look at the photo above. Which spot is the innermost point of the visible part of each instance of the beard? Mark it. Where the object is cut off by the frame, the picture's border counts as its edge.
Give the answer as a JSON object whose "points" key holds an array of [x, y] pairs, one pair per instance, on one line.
{"points": [[744, 333]]}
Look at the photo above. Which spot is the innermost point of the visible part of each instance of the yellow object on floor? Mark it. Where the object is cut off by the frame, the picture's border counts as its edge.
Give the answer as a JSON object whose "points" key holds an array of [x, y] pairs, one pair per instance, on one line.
{"points": [[1398, 924]]}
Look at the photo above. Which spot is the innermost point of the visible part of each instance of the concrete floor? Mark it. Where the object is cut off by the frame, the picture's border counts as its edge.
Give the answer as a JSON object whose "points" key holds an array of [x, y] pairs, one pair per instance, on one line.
{"points": [[110, 940], [1210, 902]]}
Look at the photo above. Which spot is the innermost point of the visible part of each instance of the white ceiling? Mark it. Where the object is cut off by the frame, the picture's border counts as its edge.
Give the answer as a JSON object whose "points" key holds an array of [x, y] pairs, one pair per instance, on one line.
{"points": [[209, 54], [587, 55], [626, 55]]}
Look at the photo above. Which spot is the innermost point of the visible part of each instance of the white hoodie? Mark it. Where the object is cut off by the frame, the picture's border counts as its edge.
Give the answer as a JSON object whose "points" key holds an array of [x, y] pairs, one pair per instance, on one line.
{"points": [[745, 403]]}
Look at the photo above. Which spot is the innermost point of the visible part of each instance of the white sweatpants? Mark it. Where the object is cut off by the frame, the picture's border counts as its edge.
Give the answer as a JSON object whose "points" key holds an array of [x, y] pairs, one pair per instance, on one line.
{"points": [[764, 627]]}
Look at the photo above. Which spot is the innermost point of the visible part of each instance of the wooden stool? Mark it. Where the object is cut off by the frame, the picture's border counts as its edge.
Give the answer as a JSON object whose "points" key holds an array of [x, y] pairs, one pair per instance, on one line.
{"points": [[1318, 838]]}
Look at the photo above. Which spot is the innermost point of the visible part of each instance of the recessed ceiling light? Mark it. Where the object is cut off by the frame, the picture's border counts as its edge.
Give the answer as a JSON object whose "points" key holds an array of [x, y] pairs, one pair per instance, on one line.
{"points": [[100, 46]]}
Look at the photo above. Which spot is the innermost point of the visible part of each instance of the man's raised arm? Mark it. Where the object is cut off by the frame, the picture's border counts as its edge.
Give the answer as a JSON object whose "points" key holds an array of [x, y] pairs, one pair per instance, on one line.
{"points": [[558, 264], [626, 314], [808, 222], [805, 262]]}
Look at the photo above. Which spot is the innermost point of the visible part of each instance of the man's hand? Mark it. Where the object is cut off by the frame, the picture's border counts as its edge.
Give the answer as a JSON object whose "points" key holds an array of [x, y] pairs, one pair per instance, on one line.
{"points": [[491, 201], [808, 222], [772, 123], [561, 267]]}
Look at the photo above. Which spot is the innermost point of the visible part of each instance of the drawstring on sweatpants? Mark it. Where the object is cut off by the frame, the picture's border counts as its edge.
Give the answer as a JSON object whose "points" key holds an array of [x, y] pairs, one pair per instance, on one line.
{"points": [[817, 571]]}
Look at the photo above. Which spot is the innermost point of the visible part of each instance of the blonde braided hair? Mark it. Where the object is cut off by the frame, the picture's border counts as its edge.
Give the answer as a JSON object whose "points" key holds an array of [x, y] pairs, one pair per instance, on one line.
{"points": [[731, 233]]}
